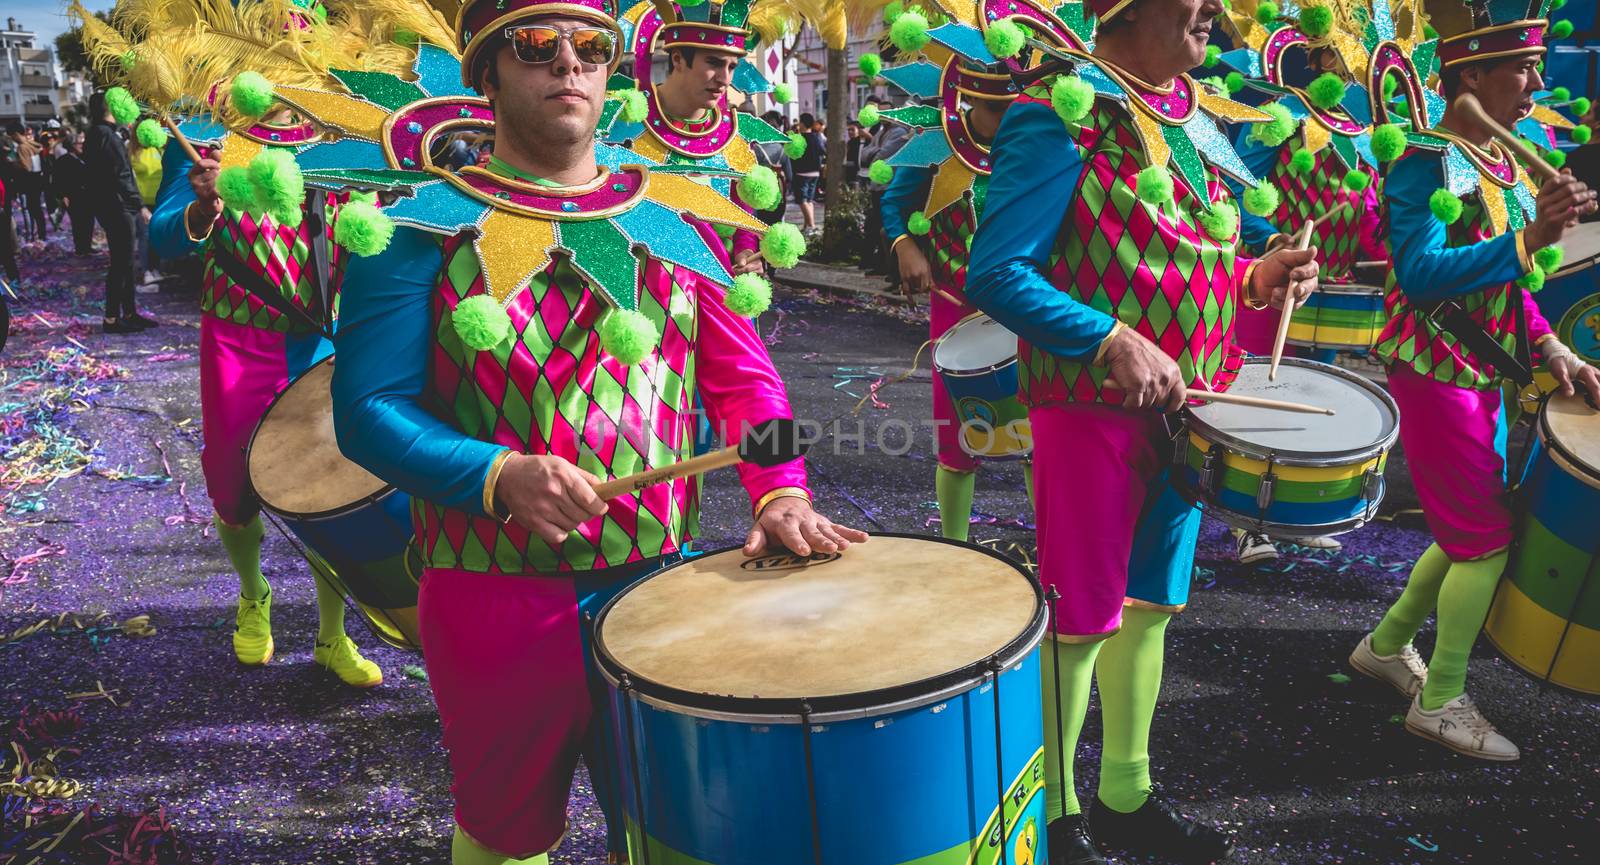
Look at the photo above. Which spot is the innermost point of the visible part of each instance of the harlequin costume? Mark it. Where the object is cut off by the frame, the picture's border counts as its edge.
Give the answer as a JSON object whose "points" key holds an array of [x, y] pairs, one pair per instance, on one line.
{"points": [[1107, 210], [1455, 214], [510, 315], [935, 199], [270, 275]]}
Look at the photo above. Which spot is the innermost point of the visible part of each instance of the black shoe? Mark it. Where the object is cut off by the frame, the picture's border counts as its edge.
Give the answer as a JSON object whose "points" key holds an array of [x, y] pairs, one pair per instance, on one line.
{"points": [[119, 325], [140, 322], [1158, 830], [1071, 843]]}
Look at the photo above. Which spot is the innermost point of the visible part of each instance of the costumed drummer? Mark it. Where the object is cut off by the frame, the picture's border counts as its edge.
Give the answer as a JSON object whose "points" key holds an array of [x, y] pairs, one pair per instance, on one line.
{"points": [[1108, 246], [549, 327], [932, 206], [1464, 230]]}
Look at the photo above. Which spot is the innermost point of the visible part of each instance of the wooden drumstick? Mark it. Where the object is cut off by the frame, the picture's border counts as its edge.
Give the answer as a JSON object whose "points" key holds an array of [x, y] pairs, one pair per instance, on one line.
{"points": [[183, 140], [1470, 106], [948, 296], [768, 443], [1241, 399], [1301, 242]]}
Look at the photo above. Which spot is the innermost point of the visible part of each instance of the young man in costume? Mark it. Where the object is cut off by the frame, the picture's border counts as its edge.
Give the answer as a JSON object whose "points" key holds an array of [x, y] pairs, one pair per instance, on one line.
{"points": [[550, 327], [1464, 229], [1109, 264]]}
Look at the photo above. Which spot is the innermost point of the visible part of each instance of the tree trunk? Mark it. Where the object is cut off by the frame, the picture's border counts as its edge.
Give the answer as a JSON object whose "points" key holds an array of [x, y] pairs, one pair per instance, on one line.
{"points": [[838, 116]]}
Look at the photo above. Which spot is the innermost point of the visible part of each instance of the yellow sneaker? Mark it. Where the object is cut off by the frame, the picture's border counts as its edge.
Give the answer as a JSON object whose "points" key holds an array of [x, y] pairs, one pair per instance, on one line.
{"points": [[342, 657], [252, 631]]}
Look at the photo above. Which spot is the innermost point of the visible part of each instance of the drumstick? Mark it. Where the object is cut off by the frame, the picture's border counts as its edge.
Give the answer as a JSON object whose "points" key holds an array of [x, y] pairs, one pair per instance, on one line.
{"points": [[183, 140], [948, 296], [768, 443], [1301, 242], [1241, 399], [1470, 105]]}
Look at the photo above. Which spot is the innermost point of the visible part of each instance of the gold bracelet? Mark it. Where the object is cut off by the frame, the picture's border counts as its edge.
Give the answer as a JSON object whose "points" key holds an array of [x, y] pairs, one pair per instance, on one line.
{"points": [[190, 231], [489, 482], [1523, 258], [1249, 293], [1105, 344], [781, 493]]}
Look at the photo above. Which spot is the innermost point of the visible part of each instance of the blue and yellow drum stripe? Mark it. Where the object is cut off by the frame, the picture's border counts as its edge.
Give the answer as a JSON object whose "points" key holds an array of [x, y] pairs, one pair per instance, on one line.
{"points": [[1301, 495]]}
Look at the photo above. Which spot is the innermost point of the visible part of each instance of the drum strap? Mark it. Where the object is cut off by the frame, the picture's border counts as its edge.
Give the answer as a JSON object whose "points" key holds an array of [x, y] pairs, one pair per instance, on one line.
{"points": [[1459, 324], [257, 286]]}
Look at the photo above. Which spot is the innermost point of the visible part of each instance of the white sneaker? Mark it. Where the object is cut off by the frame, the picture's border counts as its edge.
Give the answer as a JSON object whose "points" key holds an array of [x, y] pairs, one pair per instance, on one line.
{"points": [[1459, 726], [1404, 670], [1326, 542], [1254, 547]]}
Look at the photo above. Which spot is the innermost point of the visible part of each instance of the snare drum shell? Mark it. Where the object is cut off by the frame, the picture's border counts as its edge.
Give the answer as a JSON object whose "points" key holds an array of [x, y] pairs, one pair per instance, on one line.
{"points": [[985, 400], [1347, 318]]}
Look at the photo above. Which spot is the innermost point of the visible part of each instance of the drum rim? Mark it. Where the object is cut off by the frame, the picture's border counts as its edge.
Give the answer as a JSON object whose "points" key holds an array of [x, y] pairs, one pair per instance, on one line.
{"points": [[376, 496], [1303, 458], [830, 709], [1561, 455], [1347, 288], [1582, 264], [969, 373]]}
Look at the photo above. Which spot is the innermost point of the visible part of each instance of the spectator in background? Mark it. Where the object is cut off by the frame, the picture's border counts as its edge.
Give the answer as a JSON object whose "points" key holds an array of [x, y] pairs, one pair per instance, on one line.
{"points": [[67, 182], [886, 141], [808, 171], [27, 178], [114, 194], [770, 154], [1585, 161], [855, 136], [8, 241], [147, 174]]}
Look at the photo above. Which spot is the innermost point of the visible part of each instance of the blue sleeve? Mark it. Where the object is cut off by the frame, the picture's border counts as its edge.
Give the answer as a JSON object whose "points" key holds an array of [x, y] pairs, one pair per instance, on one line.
{"points": [[382, 345], [1254, 230], [168, 235], [1036, 171], [902, 198], [1426, 270]]}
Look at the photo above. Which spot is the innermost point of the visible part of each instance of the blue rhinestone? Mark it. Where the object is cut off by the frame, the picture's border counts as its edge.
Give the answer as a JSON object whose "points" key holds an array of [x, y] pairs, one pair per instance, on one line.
{"points": [[275, 137], [568, 206], [464, 112], [983, 163], [408, 162], [414, 128], [502, 194], [728, 39], [1473, 45], [500, 4], [619, 187]]}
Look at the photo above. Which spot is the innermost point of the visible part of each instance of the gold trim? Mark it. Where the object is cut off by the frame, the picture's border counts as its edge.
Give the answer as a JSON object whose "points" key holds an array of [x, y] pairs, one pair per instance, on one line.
{"points": [[1083, 639], [657, 45], [1248, 289], [1523, 258], [953, 64], [210, 226], [1105, 343], [601, 176], [781, 493], [490, 480], [1484, 31], [1481, 158], [1114, 10], [711, 125], [1122, 77], [542, 11], [1137, 604], [1475, 58]]}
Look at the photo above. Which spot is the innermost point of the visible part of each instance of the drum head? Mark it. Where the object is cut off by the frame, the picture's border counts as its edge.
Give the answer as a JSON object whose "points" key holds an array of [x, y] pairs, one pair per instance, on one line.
{"points": [[294, 461], [1575, 429], [893, 611], [1364, 416], [976, 344], [1580, 248]]}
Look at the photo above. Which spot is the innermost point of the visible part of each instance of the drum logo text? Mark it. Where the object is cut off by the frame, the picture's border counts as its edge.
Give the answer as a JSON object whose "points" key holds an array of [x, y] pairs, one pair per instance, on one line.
{"points": [[786, 562]]}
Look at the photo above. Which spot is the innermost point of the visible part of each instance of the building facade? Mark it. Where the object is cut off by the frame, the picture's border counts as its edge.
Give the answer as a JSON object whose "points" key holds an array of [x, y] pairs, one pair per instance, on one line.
{"points": [[30, 86]]}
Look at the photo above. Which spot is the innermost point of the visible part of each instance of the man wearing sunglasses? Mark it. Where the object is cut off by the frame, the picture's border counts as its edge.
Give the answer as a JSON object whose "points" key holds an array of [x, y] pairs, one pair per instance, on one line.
{"points": [[478, 375]]}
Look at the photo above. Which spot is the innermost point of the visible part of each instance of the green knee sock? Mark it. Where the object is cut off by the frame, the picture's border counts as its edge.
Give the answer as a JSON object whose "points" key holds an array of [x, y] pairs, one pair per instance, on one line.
{"points": [[954, 490], [1128, 672], [463, 851], [1421, 595], [1463, 604], [1027, 481], [1073, 679], [330, 603], [243, 545]]}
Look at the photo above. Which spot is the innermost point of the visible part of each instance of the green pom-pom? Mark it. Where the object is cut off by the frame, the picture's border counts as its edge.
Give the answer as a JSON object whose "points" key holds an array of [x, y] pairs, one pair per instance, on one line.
{"points": [[1154, 184], [1316, 21], [124, 109], [150, 134], [1390, 85], [1005, 38], [795, 147], [1532, 281], [782, 245], [481, 322], [1277, 130], [1267, 13], [1556, 158], [1262, 200], [1356, 180], [1220, 221], [235, 189], [870, 65], [1580, 106], [1326, 91], [1302, 161], [868, 115], [783, 93], [362, 228], [750, 295], [1213, 57], [1580, 134], [919, 223], [1428, 32], [880, 172], [1560, 94], [1548, 259], [1560, 30], [128, 59], [892, 11], [635, 105], [1445, 205], [1555, 5], [251, 94], [909, 32], [628, 335], [280, 188], [1388, 142], [1234, 82], [1071, 97], [759, 188]]}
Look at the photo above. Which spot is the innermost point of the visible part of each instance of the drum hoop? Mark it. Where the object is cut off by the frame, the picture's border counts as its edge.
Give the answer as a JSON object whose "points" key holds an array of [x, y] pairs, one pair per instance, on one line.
{"points": [[947, 372], [831, 709], [1366, 289], [1562, 456], [374, 497], [1578, 266], [1243, 448]]}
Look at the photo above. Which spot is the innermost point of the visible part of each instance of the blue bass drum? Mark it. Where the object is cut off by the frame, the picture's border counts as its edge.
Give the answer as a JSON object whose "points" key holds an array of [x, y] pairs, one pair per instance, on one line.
{"points": [[878, 706]]}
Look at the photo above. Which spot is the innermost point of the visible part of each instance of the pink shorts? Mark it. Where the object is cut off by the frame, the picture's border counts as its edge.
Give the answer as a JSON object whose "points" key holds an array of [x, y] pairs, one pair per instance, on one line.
{"points": [[1112, 531], [1455, 444], [946, 424], [509, 662]]}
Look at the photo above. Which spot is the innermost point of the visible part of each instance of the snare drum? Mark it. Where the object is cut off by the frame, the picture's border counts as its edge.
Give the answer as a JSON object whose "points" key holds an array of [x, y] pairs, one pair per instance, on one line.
{"points": [[978, 361], [1341, 317], [1546, 614], [355, 522], [870, 707], [1287, 474]]}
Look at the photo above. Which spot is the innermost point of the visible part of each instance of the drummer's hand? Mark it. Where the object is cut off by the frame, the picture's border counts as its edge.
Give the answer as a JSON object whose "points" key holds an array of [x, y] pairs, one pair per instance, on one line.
{"points": [[1562, 201], [746, 261], [790, 522], [547, 495], [1145, 374], [1570, 371], [1284, 276], [916, 275]]}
